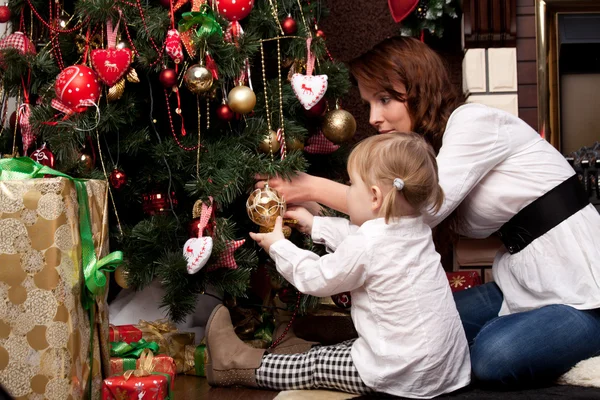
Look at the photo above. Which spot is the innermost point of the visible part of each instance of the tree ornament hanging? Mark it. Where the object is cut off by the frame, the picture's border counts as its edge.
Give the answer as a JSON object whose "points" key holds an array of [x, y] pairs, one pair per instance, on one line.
{"points": [[117, 178], [270, 142], [121, 276], [241, 99], [18, 41], [168, 78], [173, 46], [111, 63], [288, 294], [224, 113], [338, 126], [320, 34], [198, 79], [342, 300], [116, 92], [289, 25], [157, 202], [44, 156], [319, 144], [76, 87], [295, 144], [309, 89], [165, 3], [317, 110], [4, 14], [85, 161], [264, 206], [197, 250], [235, 10], [400, 9]]}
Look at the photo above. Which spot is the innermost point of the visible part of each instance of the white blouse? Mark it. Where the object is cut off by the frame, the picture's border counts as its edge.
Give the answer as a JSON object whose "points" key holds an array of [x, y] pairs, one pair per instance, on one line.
{"points": [[493, 164], [411, 341]]}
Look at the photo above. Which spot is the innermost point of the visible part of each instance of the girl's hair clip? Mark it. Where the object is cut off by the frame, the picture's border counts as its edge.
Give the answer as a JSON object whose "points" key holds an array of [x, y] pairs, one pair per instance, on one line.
{"points": [[398, 184]]}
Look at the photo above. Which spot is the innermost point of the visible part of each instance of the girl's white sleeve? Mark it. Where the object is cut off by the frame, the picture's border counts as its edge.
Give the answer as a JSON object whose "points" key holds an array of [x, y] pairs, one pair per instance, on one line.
{"points": [[331, 231], [334, 273], [474, 142]]}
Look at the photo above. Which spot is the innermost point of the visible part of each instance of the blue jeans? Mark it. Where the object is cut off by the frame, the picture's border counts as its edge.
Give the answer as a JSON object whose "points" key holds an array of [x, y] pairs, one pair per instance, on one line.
{"points": [[527, 348]]}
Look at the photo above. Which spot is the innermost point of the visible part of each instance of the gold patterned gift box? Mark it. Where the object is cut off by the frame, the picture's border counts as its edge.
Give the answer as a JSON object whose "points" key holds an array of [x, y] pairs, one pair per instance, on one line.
{"points": [[44, 330]]}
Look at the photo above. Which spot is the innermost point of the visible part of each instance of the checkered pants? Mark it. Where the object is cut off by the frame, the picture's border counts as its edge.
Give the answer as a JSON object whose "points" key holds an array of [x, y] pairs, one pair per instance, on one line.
{"points": [[322, 367]]}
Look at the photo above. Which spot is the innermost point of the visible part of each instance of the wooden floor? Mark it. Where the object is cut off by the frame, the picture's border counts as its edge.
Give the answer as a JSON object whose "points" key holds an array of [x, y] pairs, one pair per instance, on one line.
{"points": [[189, 387]]}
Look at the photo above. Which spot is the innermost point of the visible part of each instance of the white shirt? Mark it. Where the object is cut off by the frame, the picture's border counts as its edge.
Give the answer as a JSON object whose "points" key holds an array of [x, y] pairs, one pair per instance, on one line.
{"points": [[493, 164], [410, 338]]}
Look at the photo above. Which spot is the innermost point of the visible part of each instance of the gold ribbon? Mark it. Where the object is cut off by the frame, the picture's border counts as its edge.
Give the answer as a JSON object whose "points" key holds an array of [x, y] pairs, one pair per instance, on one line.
{"points": [[145, 365], [158, 328]]}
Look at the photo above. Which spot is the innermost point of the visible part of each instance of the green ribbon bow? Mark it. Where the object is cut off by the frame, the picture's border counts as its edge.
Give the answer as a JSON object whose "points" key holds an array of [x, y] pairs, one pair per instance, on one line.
{"points": [[134, 349], [21, 168], [205, 19], [199, 360]]}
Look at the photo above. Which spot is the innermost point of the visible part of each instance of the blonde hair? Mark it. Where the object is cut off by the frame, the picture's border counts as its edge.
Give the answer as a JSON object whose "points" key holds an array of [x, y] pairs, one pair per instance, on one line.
{"points": [[380, 159]]}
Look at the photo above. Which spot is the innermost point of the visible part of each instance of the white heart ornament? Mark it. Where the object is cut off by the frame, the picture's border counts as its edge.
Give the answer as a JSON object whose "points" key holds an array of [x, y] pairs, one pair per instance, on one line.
{"points": [[197, 252], [309, 89]]}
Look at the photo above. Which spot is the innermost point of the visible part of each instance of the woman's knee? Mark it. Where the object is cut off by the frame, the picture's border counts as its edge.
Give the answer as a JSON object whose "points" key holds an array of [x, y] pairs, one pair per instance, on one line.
{"points": [[495, 360]]}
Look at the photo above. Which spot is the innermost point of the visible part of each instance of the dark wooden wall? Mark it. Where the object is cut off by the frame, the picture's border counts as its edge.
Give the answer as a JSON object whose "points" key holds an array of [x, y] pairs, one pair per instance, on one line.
{"points": [[526, 66]]}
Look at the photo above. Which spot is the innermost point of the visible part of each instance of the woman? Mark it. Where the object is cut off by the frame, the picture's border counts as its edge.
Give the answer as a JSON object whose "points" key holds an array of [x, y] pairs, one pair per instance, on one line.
{"points": [[541, 316]]}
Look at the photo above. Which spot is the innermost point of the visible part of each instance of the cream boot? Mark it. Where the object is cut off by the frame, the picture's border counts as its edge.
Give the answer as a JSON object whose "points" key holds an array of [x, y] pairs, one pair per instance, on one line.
{"points": [[230, 361]]}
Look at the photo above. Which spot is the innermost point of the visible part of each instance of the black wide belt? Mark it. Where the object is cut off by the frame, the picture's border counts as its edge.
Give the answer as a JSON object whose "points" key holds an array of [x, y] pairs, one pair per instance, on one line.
{"points": [[543, 214]]}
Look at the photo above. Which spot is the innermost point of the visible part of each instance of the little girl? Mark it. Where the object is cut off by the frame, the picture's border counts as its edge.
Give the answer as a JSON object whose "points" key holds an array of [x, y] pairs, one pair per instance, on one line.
{"points": [[410, 338]]}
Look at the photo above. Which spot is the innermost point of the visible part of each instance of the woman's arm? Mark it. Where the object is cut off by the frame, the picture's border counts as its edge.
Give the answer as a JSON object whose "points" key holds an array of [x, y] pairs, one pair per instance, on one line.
{"points": [[305, 188]]}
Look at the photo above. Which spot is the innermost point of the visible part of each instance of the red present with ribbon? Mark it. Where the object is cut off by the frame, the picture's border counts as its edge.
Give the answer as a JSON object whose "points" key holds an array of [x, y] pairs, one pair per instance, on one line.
{"points": [[461, 280], [124, 333]]}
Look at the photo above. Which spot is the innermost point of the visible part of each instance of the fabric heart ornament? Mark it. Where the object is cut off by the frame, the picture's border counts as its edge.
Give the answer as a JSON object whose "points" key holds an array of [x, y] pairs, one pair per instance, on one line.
{"points": [[400, 9], [309, 89], [111, 64], [173, 46], [197, 251]]}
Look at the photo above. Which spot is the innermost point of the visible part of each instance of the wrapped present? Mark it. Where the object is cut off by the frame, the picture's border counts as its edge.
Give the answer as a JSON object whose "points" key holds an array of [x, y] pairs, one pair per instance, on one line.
{"points": [[195, 360], [169, 339], [461, 280], [141, 383], [124, 333], [128, 356], [53, 239]]}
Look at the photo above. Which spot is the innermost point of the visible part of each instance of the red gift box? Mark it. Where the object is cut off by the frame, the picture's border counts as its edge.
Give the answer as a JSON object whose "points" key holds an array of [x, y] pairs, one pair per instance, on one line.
{"points": [[124, 333], [462, 280], [152, 387], [161, 363]]}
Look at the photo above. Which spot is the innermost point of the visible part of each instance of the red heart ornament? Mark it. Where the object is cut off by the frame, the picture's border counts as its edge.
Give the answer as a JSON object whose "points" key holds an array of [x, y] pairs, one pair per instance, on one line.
{"points": [[400, 9], [111, 64]]}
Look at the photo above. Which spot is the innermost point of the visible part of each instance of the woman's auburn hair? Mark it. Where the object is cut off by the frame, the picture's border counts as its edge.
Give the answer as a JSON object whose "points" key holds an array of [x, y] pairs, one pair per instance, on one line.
{"points": [[430, 96]]}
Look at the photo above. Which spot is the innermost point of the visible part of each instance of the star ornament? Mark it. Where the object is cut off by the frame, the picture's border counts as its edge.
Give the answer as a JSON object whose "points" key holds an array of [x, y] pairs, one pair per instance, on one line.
{"points": [[458, 281], [227, 259]]}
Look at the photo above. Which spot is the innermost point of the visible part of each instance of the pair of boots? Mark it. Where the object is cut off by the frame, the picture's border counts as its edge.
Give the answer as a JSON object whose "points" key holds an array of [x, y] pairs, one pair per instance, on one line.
{"points": [[231, 361]]}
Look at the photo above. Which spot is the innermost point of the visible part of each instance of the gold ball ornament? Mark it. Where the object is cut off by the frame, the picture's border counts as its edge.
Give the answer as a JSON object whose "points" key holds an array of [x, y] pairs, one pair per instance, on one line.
{"points": [[264, 206], [287, 231], [198, 79], [121, 277], [241, 99], [294, 144], [338, 126], [265, 147]]}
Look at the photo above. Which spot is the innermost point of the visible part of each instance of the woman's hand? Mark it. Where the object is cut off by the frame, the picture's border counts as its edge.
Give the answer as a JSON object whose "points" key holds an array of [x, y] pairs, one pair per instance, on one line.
{"points": [[266, 240], [303, 216], [294, 191]]}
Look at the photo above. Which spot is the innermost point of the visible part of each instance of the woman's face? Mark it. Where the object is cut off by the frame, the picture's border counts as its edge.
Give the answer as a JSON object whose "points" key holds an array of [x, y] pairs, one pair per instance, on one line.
{"points": [[387, 114]]}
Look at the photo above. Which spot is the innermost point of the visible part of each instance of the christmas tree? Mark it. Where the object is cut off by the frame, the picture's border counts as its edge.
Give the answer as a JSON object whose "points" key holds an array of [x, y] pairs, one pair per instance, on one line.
{"points": [[178, 104]]}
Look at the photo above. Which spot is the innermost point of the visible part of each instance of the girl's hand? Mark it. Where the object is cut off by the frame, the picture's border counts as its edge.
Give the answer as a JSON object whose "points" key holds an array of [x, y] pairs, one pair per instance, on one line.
{"points": [[303, 216], [265, 240], [294, 191]]}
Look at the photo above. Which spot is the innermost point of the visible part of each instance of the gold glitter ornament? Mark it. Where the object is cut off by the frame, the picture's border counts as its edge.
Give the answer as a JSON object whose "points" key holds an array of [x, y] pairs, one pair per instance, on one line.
{"points": [[265, 146], [132, 76], [241, 99], [294, 144], [116, 91], [121, 277], [264, 206], [198, 79], [338, 126]]}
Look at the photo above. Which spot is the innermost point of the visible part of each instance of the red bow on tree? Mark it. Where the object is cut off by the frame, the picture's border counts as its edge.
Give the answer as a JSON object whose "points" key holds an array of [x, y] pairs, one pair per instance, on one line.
{"points": [[400, 9]]}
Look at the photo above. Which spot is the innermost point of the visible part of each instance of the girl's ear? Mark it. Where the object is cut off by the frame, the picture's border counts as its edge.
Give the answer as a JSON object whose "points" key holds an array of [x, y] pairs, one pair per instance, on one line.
{"points": [[376, 198]]}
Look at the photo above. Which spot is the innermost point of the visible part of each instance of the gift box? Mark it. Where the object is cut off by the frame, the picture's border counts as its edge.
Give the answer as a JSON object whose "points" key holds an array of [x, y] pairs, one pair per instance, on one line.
{"points": [[53, 315], [128, 356], [461, 280], [195, 360], [124, 333]]}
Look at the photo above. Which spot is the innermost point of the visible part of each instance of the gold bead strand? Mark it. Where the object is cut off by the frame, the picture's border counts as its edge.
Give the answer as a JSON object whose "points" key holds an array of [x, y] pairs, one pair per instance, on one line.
{"points": [[281, 119], [264, 76], [198, 149]]}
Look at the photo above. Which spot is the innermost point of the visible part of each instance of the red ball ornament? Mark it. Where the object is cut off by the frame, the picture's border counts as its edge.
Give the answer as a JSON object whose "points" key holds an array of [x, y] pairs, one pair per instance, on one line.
{"points": [[166, 3], [4, 14], [289, 25], [168, 77], [77, 87], [342, 300], [157, 202], [317, 110], [194, 228], [288, 295], [44, 156], [234, 10], [224, 113], [117, 178], [320, 34]]}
